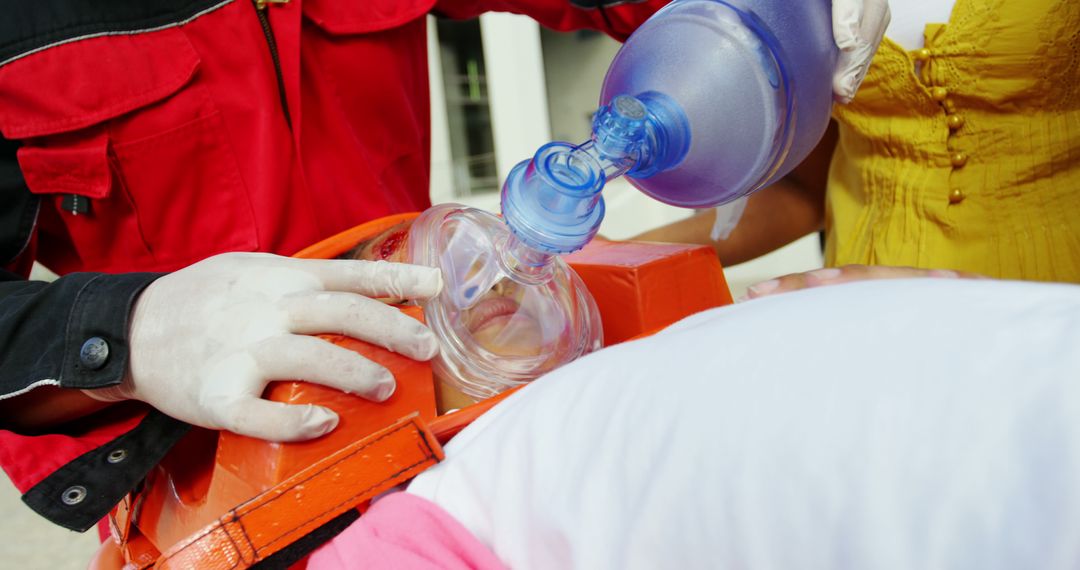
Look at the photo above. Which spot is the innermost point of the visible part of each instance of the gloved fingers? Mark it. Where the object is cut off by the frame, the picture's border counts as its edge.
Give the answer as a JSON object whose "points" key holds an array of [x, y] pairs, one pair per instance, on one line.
{"points": [[361, 318], [858, 28], [847, 17], [275, 421], [875, 19], [299, 357], [850, 73], [376, 278]]}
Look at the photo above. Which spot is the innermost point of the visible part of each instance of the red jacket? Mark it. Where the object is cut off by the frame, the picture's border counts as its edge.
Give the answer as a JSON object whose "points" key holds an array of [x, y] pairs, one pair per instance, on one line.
{"points": [[154, 148]]}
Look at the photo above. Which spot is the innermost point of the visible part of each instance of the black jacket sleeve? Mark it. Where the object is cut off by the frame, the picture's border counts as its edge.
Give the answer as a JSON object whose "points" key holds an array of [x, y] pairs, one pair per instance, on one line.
{"points": [[71, 333], [18, 207]]}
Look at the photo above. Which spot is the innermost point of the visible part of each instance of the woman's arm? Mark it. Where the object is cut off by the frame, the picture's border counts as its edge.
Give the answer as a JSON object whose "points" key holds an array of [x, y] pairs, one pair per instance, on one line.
{"points": [[774, 216]]}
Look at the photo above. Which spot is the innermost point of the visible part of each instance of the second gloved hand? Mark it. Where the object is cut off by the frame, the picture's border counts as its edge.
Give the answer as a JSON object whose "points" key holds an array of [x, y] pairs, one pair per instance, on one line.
{"points": [[858, 27], [206, 340]]}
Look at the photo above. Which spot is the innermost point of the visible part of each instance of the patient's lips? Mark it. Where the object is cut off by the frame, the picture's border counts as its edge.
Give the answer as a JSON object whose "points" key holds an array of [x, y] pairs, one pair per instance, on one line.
{"points": [[499, 325], [488, 310]]}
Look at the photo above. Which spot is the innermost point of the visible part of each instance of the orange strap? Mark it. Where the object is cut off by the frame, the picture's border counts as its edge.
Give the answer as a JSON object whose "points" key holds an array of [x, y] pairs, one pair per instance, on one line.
{"points": [[266, 524]]}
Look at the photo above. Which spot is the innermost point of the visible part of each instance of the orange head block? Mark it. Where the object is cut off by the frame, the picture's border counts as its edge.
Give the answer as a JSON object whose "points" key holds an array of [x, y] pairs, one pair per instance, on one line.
{"points": [[641, 287], [264, 464], [189, 489]]}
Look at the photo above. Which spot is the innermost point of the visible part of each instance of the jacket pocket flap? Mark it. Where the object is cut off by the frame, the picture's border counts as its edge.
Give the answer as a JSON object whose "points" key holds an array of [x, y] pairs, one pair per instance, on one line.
{"points": [[345, 18], [79, 167], [77, 84]]}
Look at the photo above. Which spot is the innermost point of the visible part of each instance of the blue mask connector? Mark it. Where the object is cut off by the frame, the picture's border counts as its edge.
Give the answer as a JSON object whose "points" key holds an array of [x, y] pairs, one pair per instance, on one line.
{"points": [[553, 204]]}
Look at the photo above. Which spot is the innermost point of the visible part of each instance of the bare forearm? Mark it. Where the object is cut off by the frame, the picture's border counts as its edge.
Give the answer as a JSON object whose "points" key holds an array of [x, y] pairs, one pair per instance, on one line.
{"points": [[774, 217]]}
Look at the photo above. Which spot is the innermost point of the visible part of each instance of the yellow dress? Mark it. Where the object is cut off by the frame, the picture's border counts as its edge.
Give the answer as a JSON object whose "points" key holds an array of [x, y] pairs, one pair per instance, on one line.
{"points": [[971, 162]]}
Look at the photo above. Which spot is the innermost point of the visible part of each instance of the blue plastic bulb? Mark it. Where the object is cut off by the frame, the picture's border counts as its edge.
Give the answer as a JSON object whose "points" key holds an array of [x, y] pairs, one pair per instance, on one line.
{"points": [[553, 204]]}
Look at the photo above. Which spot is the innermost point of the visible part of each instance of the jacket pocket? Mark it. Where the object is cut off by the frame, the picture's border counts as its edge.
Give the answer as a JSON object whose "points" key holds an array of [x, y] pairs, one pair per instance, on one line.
{"points": [[126, 146], [352, 46]]}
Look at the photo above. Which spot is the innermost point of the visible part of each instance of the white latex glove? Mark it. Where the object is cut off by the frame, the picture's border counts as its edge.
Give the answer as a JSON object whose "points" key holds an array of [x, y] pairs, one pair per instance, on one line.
{"points": [[858, 27], [207, 339]]}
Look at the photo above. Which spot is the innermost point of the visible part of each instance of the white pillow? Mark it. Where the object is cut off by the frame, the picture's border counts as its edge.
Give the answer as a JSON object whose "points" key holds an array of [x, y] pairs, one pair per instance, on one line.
{"points": [[892, 424]]}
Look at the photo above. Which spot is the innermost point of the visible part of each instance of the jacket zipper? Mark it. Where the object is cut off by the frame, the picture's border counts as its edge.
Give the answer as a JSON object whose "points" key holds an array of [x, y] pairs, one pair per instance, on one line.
{"points": [[264, 21]]}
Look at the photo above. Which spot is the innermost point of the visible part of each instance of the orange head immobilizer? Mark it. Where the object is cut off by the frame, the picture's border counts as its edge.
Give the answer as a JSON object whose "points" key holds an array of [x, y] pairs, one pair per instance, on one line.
{"points": [[224, 500]]}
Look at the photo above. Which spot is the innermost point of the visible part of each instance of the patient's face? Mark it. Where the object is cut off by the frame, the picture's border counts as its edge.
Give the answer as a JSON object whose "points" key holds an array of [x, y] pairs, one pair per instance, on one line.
{"points": [[497, 322]]}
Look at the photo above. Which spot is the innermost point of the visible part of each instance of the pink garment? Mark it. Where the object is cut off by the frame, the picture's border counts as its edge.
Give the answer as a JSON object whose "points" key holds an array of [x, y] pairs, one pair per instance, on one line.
{"points": [[404, 532]]}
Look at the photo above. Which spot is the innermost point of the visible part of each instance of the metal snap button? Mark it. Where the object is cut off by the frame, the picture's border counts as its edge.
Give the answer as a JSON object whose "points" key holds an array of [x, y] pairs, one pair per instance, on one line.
{"points": [[73, 495], [94, 353]]}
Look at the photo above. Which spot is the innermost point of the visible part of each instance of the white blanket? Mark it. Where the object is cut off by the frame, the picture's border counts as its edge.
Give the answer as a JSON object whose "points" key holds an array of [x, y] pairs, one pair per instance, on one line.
{"points": [[892, 424]]}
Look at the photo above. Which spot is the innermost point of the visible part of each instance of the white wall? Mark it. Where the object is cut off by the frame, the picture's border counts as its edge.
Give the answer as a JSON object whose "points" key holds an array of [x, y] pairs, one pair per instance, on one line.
{"points": [[574, 69], [442, 164], [515, 79]]}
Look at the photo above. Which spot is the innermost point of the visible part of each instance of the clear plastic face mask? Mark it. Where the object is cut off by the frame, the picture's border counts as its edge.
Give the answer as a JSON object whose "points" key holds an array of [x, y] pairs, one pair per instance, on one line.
{"points": [[497, 329]]}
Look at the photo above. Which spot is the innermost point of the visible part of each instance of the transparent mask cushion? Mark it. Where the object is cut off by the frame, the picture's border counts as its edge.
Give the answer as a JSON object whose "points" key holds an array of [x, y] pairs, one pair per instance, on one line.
{"points": [[497, 330]]}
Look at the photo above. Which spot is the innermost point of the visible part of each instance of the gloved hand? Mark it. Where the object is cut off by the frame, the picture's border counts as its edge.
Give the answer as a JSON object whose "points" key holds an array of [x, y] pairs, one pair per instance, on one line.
{"points": [[858, 26], [206, 340]]}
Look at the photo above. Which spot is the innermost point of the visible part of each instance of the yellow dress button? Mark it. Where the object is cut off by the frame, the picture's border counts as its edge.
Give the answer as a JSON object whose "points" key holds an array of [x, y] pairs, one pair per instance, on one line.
{"points": [[954, 121], [958, 159], [939, 94], [950, 106], [956, 196], [923, 54]]}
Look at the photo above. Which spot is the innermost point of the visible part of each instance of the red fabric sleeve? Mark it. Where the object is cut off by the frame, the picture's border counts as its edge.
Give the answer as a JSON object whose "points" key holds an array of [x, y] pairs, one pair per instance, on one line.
{"points": [[54, 450], [618, 21]]}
